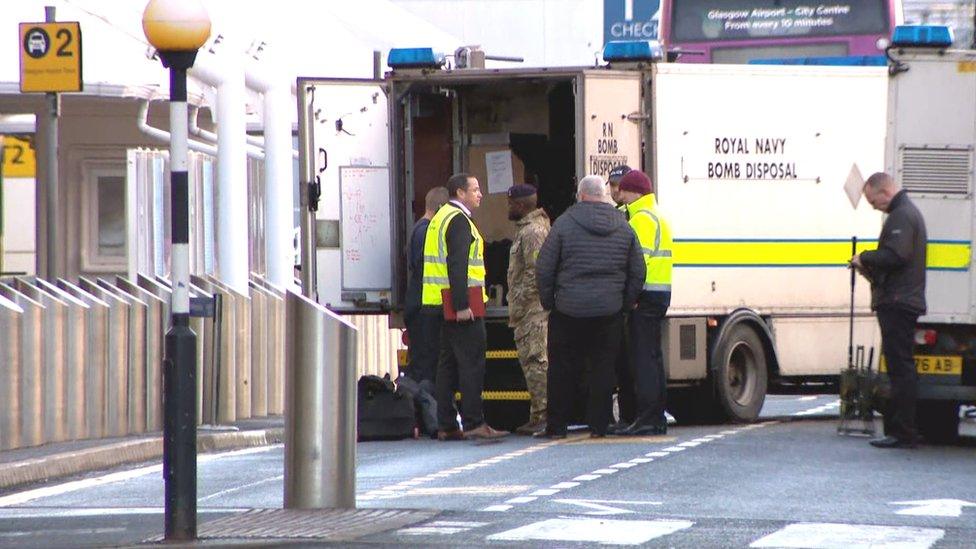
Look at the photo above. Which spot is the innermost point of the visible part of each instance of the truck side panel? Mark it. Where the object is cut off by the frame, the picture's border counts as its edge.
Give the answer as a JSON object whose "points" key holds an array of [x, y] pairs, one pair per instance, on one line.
{"points": [[751, 164]]}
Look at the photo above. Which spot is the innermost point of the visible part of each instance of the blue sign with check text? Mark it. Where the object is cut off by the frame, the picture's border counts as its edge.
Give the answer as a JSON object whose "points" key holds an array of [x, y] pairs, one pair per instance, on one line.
{"points": [[630, 19]]}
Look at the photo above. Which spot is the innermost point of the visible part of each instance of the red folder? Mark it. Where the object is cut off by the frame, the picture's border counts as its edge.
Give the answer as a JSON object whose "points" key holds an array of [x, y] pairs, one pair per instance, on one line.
{"points": [[476, 302]]}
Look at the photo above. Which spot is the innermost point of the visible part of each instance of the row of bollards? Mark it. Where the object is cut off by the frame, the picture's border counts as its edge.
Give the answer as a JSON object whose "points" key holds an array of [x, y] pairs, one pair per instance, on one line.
{"points": [[84, 359]]}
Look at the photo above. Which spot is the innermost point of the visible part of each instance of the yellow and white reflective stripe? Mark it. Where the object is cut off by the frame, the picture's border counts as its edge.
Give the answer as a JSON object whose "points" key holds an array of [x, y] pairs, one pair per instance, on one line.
{"points": [[941, 255], [501, 354]]}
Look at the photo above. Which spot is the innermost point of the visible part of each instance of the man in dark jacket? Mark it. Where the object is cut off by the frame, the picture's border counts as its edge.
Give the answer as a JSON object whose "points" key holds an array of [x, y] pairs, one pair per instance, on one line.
{"points": [[423, 326], [896, 270], [589, 271]]}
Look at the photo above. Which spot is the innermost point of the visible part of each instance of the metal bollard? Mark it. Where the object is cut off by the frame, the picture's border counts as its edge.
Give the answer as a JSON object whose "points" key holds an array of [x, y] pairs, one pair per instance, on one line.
{"points": [[154, 333], [117, 351], [10, 320], [320, 407], [53, 326], [31, 388], [241, 365], [96, 359], [136, 359], [259, 349], [75, 351]]}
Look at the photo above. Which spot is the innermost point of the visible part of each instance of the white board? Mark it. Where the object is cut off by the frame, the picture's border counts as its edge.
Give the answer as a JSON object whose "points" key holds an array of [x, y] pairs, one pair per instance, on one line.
{"points": [[366, 230]]}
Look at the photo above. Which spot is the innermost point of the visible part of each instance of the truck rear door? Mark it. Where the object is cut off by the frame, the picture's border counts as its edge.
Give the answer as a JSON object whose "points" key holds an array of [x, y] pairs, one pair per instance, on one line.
{"points": [[347, 123], [931, 144], [612, 121]]}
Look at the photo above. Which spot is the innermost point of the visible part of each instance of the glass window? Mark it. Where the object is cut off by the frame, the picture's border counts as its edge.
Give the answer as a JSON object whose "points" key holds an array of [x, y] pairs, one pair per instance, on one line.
{"points": [[111, 215]]}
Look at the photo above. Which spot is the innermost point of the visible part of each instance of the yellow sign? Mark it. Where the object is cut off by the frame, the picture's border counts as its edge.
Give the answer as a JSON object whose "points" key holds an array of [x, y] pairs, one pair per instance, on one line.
{"points": [[966, 66], [19, 157], [933, 365], [50, 57]]}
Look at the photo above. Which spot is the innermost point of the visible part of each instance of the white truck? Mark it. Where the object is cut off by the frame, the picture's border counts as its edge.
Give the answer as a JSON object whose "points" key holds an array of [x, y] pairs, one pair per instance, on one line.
{"points": [[750, 164], [931, 139]]}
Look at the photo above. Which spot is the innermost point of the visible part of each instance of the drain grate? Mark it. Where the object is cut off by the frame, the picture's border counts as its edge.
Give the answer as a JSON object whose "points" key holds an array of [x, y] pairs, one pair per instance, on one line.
{"points": [[321, 524]]}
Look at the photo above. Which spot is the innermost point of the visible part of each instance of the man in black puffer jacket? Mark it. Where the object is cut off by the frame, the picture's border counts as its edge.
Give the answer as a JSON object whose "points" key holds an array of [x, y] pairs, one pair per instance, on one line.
{"points": [[589, 272]]}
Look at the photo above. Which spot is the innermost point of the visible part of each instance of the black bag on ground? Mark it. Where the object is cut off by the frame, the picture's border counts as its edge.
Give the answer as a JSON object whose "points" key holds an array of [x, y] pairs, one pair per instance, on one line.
{"points": [[384, 413], [423, 401]]}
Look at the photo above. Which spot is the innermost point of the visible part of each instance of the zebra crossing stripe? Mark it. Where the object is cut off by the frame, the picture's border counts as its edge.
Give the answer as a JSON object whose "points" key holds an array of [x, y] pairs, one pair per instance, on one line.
{"points": [[605, 531], [852, 536]]}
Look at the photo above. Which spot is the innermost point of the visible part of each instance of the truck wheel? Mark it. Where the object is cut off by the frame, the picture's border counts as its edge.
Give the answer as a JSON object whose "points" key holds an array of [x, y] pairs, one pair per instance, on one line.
{"points": [[739, 374], [938, 421]]}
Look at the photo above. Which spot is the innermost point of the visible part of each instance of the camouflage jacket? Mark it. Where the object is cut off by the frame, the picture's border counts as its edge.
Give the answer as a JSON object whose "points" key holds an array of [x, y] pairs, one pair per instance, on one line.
{"points": [[523, 295]]}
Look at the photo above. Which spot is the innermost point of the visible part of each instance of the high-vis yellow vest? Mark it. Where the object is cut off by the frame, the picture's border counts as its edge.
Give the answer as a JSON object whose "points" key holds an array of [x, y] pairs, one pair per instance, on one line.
{"points": [[654, 235], [435, 256]]}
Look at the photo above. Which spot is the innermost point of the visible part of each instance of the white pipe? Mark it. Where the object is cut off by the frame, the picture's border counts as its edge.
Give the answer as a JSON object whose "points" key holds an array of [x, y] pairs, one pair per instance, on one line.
{"points": [[142, 121], [232, 212], [252, 152], [279, 200]]}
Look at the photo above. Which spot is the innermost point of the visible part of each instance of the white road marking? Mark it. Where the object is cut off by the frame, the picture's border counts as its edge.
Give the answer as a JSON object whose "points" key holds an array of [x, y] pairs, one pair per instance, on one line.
{"points": [[641, 460], [934, 507], [656, 454], [600, 506], [623, 465], [689, 444], [522, 499], [444, 527], [63, 531], [242, 487], [807, 398], [586, 477], [68, 512], [611, 532], [497, 508], [544, 492], [850, 536], [674, 449], [604, 471], [75, 485], [819, 409]]}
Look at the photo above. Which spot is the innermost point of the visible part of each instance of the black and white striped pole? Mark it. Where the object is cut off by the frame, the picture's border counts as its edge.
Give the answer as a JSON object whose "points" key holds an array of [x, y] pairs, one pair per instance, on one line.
{"points": [[177, 29]]}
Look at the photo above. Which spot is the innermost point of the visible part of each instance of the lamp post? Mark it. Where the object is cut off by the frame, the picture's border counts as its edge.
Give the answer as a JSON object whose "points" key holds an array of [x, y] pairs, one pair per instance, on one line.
{"points": [[177, 29]]}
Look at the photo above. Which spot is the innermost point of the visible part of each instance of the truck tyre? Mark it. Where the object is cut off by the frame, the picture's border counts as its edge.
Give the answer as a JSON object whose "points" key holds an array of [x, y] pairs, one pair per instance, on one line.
{"points": [[938, 420], [739, 374]]}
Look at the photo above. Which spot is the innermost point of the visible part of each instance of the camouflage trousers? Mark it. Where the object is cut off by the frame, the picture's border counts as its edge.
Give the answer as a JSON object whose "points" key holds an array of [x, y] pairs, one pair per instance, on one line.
{"points": [[530, 342]]}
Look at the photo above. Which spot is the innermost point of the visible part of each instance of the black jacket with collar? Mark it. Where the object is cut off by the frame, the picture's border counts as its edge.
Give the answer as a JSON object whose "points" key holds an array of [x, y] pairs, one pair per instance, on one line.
{"points": [[897, 268]]}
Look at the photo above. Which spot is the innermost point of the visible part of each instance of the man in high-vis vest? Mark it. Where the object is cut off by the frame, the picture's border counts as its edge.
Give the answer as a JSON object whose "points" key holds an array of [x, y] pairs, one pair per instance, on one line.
{"points": [[454, 259], [644, 324]]}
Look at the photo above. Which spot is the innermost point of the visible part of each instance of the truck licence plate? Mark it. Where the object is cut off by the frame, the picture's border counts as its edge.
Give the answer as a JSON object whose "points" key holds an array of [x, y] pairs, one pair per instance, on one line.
{"points": [[939, 365], [933, 365]]}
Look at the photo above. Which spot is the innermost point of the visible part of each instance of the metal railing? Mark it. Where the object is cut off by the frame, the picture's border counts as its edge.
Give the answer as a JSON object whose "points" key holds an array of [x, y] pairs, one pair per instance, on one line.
{"points": [[83, 359]]}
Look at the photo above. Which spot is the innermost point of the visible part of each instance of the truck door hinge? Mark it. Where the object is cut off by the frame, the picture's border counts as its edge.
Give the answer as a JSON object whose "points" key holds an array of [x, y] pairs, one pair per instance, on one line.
{"points": [[314, 193]]}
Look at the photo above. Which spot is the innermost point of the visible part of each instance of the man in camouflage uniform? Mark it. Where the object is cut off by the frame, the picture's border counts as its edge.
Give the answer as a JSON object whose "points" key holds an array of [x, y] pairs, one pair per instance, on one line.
{"points": [[526, 315]]}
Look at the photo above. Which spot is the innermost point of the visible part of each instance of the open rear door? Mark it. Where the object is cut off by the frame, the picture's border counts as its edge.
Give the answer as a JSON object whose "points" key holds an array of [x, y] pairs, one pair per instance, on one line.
{"points": [[349, 157], [612, 121]]}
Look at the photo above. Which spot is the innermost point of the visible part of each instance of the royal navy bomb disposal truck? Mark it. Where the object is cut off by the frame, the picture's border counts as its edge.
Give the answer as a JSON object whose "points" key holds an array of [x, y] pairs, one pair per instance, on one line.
{"points": [[930, 144], [750, 164]]}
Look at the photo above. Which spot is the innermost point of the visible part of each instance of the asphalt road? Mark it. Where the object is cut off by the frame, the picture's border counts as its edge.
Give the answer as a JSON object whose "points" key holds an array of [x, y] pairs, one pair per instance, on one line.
{"points": [[787, 481]]}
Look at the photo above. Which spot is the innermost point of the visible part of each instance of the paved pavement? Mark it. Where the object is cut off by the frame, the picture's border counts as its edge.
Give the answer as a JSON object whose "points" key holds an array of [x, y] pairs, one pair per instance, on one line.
{"points": [[788, 481]]}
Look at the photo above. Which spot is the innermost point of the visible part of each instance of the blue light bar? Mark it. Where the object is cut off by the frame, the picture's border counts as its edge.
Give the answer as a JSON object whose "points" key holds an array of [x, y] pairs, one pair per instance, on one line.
{"points": [[413, 58], [624, 50], [922, 36]]}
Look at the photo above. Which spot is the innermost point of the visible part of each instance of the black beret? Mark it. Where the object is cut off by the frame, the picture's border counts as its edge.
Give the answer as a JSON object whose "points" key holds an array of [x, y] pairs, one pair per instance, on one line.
{"points": [[521, 190], [618, 172]]}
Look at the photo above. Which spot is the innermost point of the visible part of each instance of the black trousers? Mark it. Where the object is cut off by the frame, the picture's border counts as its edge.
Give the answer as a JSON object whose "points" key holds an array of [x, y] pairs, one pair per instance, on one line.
{"points": [[578, 348], [647, 362], [424, 330], [626, 397], [897, 342], [461, 366]]}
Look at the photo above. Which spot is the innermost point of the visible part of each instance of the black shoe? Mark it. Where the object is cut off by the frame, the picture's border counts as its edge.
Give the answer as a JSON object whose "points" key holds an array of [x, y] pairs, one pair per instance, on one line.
{"points": [[616, 428], [892, 442], [637, 429]]}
